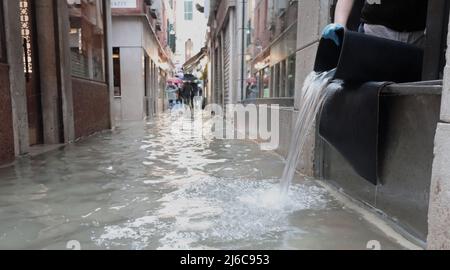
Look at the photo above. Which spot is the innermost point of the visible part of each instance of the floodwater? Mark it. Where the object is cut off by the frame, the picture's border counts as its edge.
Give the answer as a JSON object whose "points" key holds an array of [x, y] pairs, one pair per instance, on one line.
{"points": [[149, 186]]}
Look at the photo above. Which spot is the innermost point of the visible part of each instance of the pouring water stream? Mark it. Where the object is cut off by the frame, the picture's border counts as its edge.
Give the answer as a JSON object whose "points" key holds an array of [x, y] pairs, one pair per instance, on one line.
{"points": [[313, 97]]}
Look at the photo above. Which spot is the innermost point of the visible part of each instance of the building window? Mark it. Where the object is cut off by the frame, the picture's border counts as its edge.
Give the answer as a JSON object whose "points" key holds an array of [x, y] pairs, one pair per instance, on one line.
{"points": [[258, 83], [188, 10], [248, 33], [87, 39], [2, 36], [117, 74], [283, 79], [264, 82], [291, 75], [171, 37], [271, 83]]}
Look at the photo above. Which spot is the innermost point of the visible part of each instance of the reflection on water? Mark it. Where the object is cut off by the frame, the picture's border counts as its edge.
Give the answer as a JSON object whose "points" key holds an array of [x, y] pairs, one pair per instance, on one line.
{"points": [[145, 186]]}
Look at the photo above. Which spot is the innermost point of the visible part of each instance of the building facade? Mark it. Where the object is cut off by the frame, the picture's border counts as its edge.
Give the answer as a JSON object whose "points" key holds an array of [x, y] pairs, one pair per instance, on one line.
{"points": [[272, 49], [439, 209], [226, 51], [56, 83], [190, 28], [143, 40]]}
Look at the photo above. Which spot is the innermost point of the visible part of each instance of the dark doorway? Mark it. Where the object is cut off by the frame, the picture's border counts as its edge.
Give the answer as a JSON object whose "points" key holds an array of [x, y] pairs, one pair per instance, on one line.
{"points": [[147, 86], [117, 73], [31, 72]]}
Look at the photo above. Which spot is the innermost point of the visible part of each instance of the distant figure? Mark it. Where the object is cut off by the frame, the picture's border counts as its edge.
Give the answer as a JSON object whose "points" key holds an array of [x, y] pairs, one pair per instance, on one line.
{"points": [[186, 93], [195, 93], [179, 98]]}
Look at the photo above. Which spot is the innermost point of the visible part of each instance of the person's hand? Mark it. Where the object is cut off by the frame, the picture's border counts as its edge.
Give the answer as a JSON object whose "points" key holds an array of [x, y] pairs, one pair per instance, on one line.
{"points": [[330, 32]]}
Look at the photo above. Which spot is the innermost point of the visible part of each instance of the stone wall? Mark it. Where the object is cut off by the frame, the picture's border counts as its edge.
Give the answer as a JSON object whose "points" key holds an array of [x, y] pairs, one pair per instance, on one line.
{"points": [[313, 16], [439, 213], [16, 76]]}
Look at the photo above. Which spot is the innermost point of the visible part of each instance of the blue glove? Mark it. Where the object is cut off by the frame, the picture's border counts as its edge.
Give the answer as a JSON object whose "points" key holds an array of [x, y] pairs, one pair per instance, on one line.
{"points": [[330, 32]]}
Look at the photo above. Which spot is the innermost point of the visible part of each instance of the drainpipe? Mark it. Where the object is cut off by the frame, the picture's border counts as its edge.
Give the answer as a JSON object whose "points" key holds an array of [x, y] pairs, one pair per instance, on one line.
{"points": [[243, 51]]}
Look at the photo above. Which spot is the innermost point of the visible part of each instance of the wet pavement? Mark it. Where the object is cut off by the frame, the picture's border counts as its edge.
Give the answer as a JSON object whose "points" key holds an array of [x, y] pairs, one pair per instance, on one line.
{"points": [[150, 186]]}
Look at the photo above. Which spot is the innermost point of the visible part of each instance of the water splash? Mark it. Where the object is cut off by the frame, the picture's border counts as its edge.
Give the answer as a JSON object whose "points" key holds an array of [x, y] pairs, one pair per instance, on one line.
{"points": [[206, 212], [313, 97]]}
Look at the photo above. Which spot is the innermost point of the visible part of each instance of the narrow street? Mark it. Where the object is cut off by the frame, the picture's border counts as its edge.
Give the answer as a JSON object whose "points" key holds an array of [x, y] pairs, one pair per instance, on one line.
{"points": [[145, 187], [224, 125]]}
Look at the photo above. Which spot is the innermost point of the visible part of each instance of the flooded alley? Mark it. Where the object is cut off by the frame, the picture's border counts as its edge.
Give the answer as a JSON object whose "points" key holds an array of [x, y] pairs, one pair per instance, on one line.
{"points": [[144, 186]]}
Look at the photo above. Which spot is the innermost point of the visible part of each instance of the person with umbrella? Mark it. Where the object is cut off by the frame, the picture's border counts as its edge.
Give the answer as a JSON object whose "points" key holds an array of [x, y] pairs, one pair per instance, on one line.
{"points": [[186, 93]]}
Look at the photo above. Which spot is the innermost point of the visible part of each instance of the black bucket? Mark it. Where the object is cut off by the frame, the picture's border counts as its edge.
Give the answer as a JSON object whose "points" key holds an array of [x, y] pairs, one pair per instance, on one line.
{"points": [[364, 58]]}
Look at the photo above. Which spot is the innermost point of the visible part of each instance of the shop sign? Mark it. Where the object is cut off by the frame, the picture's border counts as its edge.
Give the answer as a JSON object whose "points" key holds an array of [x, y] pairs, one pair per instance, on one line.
{"points": [[123, 3]]}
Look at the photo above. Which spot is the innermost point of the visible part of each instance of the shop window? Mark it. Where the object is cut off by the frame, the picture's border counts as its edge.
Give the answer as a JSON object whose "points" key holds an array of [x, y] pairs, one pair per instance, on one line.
{"points": [[277, 80], [2, 36], [272, 87], [87, 39], [265, 82], [117, 74], [283, 79], [291, 69]]}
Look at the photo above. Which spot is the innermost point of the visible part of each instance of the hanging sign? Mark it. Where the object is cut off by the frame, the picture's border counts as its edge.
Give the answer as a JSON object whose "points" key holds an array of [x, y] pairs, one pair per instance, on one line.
{"points": [[123, 3]]}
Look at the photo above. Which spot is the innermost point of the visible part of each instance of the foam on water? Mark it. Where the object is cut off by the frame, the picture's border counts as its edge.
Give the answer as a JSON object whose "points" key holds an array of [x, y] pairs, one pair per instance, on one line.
{"points": [[208, 212]]}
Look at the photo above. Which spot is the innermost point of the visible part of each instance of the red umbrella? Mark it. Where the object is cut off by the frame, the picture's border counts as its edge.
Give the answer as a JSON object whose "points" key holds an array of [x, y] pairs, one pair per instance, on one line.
{"points": [[175, 81], [251, 80]]}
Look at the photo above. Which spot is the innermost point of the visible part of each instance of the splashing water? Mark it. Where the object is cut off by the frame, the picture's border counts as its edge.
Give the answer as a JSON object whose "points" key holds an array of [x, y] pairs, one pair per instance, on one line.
{"points": [[313, 97]]}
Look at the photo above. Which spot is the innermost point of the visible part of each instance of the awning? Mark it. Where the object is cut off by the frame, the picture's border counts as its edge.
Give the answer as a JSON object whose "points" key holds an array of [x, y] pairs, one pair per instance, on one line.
{"points": [[194, 61]]}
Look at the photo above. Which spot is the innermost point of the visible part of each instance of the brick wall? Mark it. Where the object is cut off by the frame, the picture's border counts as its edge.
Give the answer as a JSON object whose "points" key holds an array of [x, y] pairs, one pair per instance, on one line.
{"points": [[91, 107], [262, 34], [6, 125]]}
